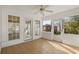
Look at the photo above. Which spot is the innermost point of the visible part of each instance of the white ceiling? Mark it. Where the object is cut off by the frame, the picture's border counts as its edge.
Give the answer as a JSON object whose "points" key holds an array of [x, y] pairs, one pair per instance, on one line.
{"points": [[55, 9], [22, 7], [34, 9], [61, 8]]}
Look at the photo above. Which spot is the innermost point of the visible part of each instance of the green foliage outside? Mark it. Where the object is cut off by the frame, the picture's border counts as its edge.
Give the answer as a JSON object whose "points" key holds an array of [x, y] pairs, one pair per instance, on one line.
{"points": [[72, 26], [57, 33]]}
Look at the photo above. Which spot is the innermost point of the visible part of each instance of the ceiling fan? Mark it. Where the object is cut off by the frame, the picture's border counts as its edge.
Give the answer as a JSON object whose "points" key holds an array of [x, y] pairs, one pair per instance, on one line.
{"points": [[43, 8]]}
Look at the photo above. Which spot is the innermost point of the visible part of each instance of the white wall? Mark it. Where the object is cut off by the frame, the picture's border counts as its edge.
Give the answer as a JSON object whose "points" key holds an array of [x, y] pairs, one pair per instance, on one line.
{"points": [[0, 27], [5, 13], [71, 39], [47, 35], [23, 16]]}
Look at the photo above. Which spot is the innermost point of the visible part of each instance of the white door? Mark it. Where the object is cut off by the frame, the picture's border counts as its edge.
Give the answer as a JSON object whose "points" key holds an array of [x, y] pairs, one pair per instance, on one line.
{"points": [[28, 30]]}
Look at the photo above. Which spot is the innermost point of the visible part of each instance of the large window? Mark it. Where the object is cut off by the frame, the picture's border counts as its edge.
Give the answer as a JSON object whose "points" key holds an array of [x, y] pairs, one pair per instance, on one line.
{"points": [[47, 25], [71, 25], [13, 27], [57, 27]]}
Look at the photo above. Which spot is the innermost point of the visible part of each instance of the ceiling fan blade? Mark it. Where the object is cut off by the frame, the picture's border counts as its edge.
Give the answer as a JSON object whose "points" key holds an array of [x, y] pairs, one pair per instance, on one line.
{"points": [[48, 11]]}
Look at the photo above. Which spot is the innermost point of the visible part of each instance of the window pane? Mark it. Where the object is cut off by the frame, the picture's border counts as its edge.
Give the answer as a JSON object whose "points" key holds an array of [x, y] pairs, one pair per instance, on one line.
{"points": [[13, 27], [57, 27], [47, 25]]}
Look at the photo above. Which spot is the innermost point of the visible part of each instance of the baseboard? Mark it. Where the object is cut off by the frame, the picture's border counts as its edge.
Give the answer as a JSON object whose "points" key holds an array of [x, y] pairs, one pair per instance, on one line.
{"points": [[11, 43]]}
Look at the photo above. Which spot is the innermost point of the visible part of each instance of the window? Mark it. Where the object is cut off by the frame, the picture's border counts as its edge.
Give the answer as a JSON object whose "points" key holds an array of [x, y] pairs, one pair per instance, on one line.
{"points": [[13, 27], [57, 27], [71, 25], [47, 25]]}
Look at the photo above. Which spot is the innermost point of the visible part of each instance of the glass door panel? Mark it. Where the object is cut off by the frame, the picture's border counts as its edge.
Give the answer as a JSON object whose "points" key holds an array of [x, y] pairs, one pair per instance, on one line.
{"points": [[37, 27], [27, 30]]}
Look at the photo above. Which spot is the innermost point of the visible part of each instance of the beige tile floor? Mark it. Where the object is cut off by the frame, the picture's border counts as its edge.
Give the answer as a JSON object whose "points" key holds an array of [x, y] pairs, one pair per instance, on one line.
{"points": [[41, 46]]}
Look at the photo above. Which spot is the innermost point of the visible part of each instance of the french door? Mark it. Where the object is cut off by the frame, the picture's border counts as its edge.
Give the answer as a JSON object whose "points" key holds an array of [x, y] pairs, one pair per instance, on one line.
{"points": [[28, 30]]}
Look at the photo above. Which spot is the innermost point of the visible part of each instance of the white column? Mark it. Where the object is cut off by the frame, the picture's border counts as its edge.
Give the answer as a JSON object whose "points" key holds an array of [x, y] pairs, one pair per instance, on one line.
{"points": [[52, 30], [62, 27], [0, 28]]}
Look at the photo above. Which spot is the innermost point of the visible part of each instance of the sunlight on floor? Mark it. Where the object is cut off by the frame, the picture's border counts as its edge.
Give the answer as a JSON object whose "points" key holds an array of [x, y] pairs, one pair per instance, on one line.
{"points": [[65, 48], [72, 49]]}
